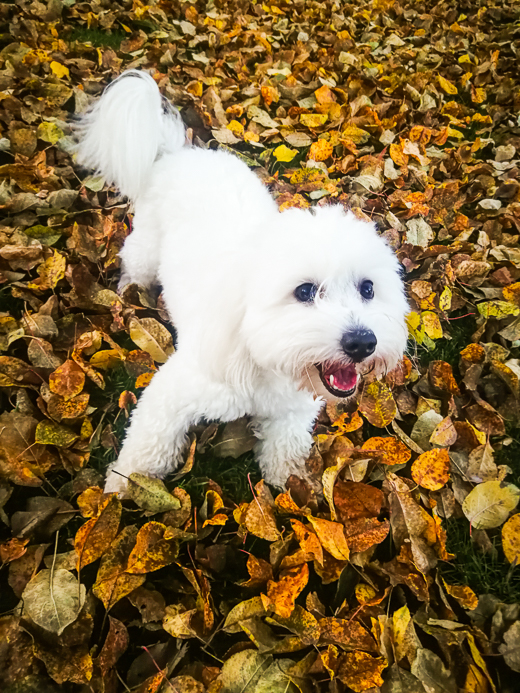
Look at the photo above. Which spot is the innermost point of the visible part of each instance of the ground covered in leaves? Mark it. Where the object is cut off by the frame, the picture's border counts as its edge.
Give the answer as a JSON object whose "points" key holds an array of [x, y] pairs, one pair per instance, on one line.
{"points": [[404, 576]]}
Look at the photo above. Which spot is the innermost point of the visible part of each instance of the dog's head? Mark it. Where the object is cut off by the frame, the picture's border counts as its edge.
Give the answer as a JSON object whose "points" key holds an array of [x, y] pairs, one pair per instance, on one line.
{"points": [[325, 301]]}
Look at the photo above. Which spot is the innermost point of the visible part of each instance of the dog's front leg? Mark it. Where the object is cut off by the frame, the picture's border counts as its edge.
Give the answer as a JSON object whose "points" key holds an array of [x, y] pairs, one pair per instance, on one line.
{"points": [[157, 433], [285, 438]]}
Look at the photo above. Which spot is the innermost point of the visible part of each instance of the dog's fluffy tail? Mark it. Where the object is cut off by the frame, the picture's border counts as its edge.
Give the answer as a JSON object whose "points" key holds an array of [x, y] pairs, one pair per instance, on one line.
{"points": [[127, 130]]}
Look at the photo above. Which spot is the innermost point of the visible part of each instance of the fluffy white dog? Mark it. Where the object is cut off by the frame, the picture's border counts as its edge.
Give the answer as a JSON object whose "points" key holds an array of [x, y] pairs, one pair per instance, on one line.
{"points": [[274, 311]]}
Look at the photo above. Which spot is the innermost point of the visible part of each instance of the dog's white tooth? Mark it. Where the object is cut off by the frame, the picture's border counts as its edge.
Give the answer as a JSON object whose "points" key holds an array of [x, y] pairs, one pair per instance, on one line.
{"points": [[331, 380]]}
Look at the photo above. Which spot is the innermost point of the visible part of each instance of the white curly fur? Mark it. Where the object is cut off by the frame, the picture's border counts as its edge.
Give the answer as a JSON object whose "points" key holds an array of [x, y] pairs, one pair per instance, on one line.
{"points": [[210, 233]]}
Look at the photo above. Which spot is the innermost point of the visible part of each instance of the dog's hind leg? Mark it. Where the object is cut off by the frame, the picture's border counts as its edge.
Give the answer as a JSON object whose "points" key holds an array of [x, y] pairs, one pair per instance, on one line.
{"points": [[285, 439], [141, 252]]}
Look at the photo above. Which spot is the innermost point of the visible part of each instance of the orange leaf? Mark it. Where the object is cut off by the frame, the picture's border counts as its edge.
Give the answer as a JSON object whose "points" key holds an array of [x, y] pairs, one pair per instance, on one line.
{"points": [[95, 536], [320, 150], [392, 450], [365, 532], [67, 380], [463, 594], [348, 422], [332, 537], [354, 500], [348, 634], [511, 539], [281, 595], [441, 377], [309, 542], [360, 671]]}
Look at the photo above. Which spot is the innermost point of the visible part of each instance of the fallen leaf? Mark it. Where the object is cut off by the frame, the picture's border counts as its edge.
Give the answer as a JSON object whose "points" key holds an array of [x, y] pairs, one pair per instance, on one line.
{"points": [[95, 536], [431, 470], [489, 504], [152, 337], [53, 599], [360, 671], [377, 404], [511, 539], [281, 595], [151, 494]]}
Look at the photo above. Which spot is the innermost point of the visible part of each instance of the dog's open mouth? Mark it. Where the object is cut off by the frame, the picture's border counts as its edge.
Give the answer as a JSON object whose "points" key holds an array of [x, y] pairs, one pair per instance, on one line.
{"points": [[339, 380]]}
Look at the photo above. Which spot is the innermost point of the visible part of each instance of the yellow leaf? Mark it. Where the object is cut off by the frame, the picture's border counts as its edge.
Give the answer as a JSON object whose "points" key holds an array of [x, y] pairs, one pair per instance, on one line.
{"points": [[49, 132], [152, 337], [332, 537], [463, 594], [355, 134], [445, 299], [377, 404], [59, 69], [497, 309], [432, 325], [283, 153], [50, 271], [259, 518], [236, 127], [447, 86], [511, 539], [431, 469], [313, 120], [489, 504]]}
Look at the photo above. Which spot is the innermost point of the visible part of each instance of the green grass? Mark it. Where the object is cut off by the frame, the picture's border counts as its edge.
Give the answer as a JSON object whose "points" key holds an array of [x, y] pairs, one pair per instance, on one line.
{"points": [[97, 37], [460, 331], [485, 573], [510, 454]]}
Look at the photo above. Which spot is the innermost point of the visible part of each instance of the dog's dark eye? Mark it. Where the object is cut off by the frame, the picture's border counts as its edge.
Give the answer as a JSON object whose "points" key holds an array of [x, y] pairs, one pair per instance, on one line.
{"points": [[367, 289], [306, 293]]}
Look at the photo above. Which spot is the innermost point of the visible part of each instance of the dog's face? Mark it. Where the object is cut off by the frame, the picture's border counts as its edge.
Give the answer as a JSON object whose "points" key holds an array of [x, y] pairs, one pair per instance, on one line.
{"points": [[325, 301]]}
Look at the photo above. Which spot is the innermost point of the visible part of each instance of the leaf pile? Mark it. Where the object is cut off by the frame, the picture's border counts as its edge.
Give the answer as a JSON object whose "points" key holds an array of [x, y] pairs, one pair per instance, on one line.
{"points": [[404, 576]]}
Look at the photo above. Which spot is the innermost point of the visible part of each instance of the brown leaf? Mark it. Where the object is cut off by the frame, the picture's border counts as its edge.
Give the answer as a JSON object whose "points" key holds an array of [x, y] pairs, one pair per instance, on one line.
{"points": [[350, 635], [114, 646], [67, 380], [354, 500], [260, 572]]}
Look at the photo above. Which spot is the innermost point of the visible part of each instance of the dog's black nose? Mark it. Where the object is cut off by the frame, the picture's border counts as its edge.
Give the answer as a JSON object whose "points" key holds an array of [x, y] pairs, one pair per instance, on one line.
{"points": [[358, 344]]}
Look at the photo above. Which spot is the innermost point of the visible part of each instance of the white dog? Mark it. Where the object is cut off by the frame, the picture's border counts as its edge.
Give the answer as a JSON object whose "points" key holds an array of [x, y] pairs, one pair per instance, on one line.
{"points": [[273, 311]]}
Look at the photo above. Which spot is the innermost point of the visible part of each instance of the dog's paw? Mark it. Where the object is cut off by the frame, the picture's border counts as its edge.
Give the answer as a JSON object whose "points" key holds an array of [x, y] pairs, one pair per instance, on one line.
{"points": [[115, 483]]}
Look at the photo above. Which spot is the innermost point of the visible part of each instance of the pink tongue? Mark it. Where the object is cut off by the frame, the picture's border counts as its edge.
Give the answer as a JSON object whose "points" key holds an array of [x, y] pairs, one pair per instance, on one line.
{"points": [[345, 378]]}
